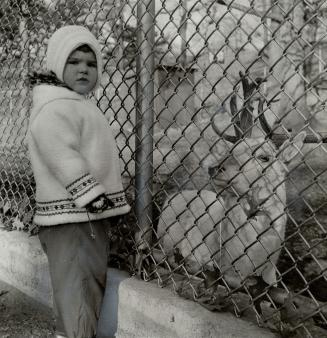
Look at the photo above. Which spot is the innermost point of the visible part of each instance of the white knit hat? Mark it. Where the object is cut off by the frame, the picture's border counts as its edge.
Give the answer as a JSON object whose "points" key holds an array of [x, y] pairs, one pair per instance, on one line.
{"points": [[64, 41]]}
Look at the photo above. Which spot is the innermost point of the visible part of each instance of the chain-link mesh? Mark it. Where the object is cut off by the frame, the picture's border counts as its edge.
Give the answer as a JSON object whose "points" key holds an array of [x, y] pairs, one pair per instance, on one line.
{"points": [[237, 216]]}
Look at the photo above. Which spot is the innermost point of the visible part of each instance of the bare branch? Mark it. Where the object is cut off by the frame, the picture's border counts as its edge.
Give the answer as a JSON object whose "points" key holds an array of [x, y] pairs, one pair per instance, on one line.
{"points": [[250, 11]]}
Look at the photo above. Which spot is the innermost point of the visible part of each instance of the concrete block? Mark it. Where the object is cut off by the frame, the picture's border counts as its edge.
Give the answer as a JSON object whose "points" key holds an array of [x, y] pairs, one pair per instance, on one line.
{"points": [[147, 311], [24, 265]]}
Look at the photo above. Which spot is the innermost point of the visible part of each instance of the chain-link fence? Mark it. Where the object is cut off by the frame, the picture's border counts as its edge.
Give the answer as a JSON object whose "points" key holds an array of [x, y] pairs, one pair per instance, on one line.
{"points": [[219, 113]]}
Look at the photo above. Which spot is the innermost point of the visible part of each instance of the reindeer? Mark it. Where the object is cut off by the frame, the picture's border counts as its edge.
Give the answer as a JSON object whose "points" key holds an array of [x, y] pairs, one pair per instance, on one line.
{"points": [[240, 227]]}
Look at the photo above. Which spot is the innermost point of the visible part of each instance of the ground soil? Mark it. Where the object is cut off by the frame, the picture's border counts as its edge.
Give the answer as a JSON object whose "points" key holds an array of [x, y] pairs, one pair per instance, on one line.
{"points": [[22, 317]]}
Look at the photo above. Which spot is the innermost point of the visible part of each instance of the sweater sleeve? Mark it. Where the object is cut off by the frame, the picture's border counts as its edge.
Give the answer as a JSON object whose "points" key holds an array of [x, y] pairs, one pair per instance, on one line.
{"points": [[56, 136]]}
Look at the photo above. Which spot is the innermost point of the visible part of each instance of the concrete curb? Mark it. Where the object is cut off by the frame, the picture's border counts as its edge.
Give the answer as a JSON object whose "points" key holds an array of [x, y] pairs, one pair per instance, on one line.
{"points": [[132, 307], [147, 311]]}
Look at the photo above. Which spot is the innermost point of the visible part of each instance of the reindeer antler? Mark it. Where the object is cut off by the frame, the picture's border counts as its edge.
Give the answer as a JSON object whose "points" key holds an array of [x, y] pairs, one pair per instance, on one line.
{"points": [[246, 113], [242, 119], [235, 118], [262, 118]]}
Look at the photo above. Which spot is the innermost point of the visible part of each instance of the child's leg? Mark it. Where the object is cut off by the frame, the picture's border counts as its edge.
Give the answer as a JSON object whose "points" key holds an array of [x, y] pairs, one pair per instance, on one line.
{"points": [[78, 266]]}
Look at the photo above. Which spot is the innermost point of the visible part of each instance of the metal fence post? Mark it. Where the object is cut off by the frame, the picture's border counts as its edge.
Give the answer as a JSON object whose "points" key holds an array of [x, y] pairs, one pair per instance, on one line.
{"points": [[144, 114]]}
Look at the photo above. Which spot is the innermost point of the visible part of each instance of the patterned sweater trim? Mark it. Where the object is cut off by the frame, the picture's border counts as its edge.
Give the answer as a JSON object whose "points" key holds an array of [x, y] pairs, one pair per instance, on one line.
{"points": [[75, 183], [84, 189], [66, 211], [68, 205]]}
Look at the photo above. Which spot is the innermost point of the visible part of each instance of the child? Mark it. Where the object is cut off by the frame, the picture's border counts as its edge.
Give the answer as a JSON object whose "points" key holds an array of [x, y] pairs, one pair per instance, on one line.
{"points": [[78, 182]]}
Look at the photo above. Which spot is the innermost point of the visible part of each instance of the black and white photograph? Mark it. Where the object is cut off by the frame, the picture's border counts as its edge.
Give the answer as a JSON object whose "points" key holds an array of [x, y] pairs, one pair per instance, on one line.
{"points": [[163, 169]]}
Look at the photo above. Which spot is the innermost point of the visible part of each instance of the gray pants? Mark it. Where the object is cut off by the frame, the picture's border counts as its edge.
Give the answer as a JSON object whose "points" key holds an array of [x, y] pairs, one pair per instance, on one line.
{"points": [[78, 266]]}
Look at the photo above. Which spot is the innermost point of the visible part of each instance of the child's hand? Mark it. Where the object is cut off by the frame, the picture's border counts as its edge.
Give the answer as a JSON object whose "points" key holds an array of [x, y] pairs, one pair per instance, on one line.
{"points": [[99, 204]]}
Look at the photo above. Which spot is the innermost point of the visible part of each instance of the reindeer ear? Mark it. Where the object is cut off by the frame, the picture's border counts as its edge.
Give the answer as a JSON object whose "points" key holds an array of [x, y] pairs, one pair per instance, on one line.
{"points": [[289, 149]]}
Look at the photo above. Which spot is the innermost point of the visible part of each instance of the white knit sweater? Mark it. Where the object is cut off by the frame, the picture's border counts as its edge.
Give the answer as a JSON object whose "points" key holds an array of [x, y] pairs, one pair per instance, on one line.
{"points": [[74, 157]]}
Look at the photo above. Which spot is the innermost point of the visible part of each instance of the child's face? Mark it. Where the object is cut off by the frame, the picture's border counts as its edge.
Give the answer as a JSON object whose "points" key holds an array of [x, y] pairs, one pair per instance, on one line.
{"points": [[80, 73]]}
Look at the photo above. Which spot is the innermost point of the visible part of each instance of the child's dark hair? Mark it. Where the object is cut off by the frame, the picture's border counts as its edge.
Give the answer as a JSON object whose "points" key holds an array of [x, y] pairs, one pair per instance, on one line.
{"points": [[37, 78], [85, 48]]}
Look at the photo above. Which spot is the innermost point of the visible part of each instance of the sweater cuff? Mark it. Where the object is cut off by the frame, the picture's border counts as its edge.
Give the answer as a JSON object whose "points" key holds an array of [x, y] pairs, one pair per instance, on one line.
{"points": [[84, 190]]}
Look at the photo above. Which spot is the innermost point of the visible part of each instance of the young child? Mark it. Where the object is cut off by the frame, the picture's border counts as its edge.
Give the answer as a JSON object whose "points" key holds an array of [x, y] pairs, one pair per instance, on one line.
{"points": [[78, 180]]}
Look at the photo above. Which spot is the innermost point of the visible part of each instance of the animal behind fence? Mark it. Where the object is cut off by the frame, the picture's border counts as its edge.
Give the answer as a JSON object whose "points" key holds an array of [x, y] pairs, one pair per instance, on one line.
{"points": [[239, 228]]}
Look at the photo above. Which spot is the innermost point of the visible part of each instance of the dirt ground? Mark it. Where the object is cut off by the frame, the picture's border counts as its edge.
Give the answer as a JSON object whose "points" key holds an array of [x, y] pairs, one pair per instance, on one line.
{"points": [[22, 317]]}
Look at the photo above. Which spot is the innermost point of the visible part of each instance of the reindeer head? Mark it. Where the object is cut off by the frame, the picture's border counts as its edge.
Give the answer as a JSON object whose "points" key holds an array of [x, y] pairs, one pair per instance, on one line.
{"points": [[251, 166], [254, 166]]}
